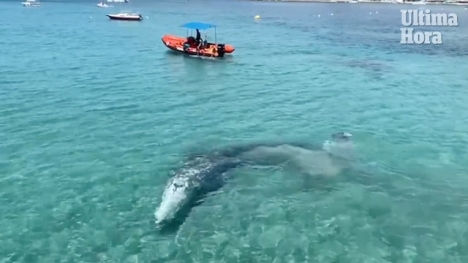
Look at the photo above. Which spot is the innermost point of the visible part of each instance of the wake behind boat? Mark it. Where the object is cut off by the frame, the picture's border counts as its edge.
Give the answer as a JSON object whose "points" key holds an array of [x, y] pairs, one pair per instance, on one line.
{"points": [[31, 3], [126, 16], [197, 46]]}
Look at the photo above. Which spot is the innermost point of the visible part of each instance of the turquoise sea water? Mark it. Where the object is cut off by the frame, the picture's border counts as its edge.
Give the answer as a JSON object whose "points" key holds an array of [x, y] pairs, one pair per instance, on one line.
{"points": [[94, 114]]}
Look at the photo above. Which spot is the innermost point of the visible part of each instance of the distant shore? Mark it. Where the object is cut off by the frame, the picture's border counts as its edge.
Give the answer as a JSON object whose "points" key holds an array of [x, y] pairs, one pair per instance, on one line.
{"points": [[361, 1]]}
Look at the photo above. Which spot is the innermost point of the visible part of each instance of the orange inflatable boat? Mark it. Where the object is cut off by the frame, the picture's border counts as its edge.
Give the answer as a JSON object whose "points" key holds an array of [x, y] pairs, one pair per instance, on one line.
{"points": [[189, 45]]}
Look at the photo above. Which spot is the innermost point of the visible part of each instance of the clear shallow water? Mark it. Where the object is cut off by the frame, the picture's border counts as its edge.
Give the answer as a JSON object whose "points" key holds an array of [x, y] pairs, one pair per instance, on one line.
{"points": [[94, 114]]}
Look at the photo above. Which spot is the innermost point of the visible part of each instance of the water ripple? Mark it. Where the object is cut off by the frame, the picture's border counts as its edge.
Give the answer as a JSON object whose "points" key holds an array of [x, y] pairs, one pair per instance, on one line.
{"points": [[95, 114]]}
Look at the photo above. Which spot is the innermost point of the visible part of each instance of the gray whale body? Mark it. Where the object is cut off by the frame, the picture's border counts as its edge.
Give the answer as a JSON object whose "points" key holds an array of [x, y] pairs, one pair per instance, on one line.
{"points": [[203, 174]]}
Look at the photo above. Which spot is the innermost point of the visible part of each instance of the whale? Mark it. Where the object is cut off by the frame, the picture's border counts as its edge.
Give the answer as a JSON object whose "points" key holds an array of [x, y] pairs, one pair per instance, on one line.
{"points": [[203, 174]]}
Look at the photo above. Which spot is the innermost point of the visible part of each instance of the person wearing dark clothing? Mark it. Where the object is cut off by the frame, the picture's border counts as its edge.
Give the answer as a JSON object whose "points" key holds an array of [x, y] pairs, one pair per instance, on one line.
{"points": [[198, 39]]}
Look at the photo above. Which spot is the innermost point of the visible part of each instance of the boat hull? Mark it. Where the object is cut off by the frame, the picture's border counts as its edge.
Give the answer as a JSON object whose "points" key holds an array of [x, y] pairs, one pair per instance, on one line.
{"points": [[30, 4], [125, 18], [180, 44]]}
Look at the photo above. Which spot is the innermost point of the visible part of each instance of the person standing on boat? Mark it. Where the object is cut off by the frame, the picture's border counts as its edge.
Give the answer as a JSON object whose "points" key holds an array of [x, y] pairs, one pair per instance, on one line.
{"points": [[198, 39]]}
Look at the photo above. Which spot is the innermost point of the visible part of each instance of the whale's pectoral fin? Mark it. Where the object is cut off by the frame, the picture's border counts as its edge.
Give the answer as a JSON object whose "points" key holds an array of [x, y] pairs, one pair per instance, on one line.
{"points": [[201, 197], [199, 200], [213, 185]]}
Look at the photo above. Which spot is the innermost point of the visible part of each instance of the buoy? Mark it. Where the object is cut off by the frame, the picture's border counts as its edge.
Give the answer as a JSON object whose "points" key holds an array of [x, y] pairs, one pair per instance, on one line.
{"points": [[376, 12], [257, 17], [147, 17], [90, 17], [370, 13], [331, 13], [318, 15]]}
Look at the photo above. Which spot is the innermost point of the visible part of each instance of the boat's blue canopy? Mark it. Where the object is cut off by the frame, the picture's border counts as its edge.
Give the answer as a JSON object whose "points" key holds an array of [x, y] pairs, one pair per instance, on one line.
{"points": [[198, 25]]}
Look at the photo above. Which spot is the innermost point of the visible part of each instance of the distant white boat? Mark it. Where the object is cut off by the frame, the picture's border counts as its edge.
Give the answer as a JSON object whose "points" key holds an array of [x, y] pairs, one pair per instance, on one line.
{"points": [[353, 1], [423, 2], [103, 5], [31, 3], [127, 16]]}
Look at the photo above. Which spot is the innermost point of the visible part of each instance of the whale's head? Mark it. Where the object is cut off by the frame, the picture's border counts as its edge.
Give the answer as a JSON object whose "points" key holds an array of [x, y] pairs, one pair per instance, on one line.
{"points": [[177, 195], [187, 188], [340, 145]]}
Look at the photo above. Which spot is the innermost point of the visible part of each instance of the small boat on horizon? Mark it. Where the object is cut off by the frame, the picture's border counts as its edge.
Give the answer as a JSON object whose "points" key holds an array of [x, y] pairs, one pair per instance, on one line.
{"points": [[103, 5], [126, 16], [197, 47], [31, 3]]}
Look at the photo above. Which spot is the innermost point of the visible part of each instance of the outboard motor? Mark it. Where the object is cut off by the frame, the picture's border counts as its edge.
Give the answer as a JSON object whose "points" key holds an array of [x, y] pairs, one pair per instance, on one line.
{"points": [[186, 46], [221, 50]]}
